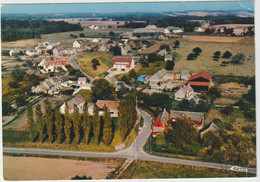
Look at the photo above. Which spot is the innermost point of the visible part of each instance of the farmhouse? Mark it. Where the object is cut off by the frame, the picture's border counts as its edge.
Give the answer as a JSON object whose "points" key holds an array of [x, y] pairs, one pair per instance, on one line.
{"points": [[53, 64], [77, 101], [184, 92], [200, 81], [112, 105], [79, 43], [162, 122], [123, 63], [157, 79], [160, 125]]}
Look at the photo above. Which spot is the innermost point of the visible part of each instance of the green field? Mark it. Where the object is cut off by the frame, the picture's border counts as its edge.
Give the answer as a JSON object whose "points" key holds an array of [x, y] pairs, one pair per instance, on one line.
{"points": [[148, 170], [105, 60]]}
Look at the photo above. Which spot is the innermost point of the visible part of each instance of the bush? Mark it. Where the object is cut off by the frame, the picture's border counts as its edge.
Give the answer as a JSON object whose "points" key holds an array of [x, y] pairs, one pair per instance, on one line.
{"points": [[226, 55], [227, 110], [197, 51], [192, 56], [238, 58]]}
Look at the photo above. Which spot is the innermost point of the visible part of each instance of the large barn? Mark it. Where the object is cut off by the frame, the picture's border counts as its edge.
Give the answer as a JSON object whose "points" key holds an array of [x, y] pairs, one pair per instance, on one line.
{"points": [[200, 81]]}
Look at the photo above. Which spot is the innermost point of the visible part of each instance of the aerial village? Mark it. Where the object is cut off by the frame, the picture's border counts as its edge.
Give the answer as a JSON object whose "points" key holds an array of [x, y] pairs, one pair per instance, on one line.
{"points": [[147, 63]]}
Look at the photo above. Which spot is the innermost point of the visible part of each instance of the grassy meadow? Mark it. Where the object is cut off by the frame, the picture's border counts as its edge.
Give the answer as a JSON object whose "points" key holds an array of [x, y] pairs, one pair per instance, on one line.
{"points": [[205, 62], [153, 170], [105, 60]]}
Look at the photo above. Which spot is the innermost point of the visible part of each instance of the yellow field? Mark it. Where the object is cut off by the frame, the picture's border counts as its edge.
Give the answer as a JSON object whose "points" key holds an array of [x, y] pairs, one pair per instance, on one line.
{"points": [[34, 168], [84, 62], [205, 62]]}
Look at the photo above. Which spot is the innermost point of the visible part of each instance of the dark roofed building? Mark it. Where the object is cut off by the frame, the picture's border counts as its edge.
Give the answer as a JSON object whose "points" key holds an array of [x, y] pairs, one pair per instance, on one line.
{"points": [[200, 81]]}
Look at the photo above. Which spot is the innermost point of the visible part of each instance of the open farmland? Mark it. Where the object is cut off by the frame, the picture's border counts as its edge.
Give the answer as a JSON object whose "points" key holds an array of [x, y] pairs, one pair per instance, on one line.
{"points": [[63, 37], [205, 62], [32, 168], [105, 61]]}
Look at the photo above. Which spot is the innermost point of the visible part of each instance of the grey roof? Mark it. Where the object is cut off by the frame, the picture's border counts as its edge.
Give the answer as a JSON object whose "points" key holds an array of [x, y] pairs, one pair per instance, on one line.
{"points": [[53, 41], [172, 28], [55, 79], [167, 56], [141, 30], [161, 72], [197, 116], [48, 83], [184, 72], [75, 101], [82, 79]]}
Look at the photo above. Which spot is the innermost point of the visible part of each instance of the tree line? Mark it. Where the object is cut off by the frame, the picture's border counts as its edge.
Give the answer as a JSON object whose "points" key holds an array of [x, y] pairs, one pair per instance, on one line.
{"points": [[74, 126], [13, 29]]}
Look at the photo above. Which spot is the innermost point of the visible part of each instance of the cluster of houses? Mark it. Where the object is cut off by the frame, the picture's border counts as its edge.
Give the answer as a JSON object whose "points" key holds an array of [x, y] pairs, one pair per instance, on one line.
{"points": [[54, 85], [53, 64], [238, 30], [79, 101]]}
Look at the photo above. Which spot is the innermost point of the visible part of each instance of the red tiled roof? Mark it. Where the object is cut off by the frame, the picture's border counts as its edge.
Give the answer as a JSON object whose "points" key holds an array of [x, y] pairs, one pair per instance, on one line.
{"points": [[56, 63], [111, 104], [205, 75], [206, 84], [123, 61]]}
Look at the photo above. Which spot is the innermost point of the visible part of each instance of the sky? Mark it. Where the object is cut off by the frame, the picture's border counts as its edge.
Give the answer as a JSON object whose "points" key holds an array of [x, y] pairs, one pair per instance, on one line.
{"points": [[125, 7]]}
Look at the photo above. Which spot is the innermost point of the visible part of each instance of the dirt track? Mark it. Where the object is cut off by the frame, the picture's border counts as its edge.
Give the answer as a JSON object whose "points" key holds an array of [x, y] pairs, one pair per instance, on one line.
{"points": [[34, 168]]}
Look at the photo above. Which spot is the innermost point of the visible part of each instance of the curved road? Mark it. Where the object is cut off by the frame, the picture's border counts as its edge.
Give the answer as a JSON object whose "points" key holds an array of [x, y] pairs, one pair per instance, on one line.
{"points": [[74, 64], [135, 151]]}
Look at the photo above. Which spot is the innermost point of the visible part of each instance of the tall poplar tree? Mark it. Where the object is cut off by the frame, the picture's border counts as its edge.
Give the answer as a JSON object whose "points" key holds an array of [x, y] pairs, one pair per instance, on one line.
{"points": [[67, 125], [39, 121], [76, 123], [58, 124], [30, 121], [122, 118], [96, 124], [107, 131], [127, 115], [48, 118], [86, 123]]}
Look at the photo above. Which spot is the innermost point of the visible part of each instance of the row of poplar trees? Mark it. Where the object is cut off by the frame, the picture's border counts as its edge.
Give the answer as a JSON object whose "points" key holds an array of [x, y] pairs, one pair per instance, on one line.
{"points": [[57, 125]]}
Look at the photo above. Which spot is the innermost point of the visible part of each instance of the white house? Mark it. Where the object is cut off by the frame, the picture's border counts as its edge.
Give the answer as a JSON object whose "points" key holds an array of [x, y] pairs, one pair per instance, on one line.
{"points": [[79, 43], [53, 65], [123, 63], [78, 101], [82, 80], [184, 92], [32, 52], [112, 105]]}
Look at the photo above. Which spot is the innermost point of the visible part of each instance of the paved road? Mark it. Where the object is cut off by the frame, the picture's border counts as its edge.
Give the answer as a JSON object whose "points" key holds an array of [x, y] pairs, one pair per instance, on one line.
{"points": [[74, 64], [135, 151]]}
